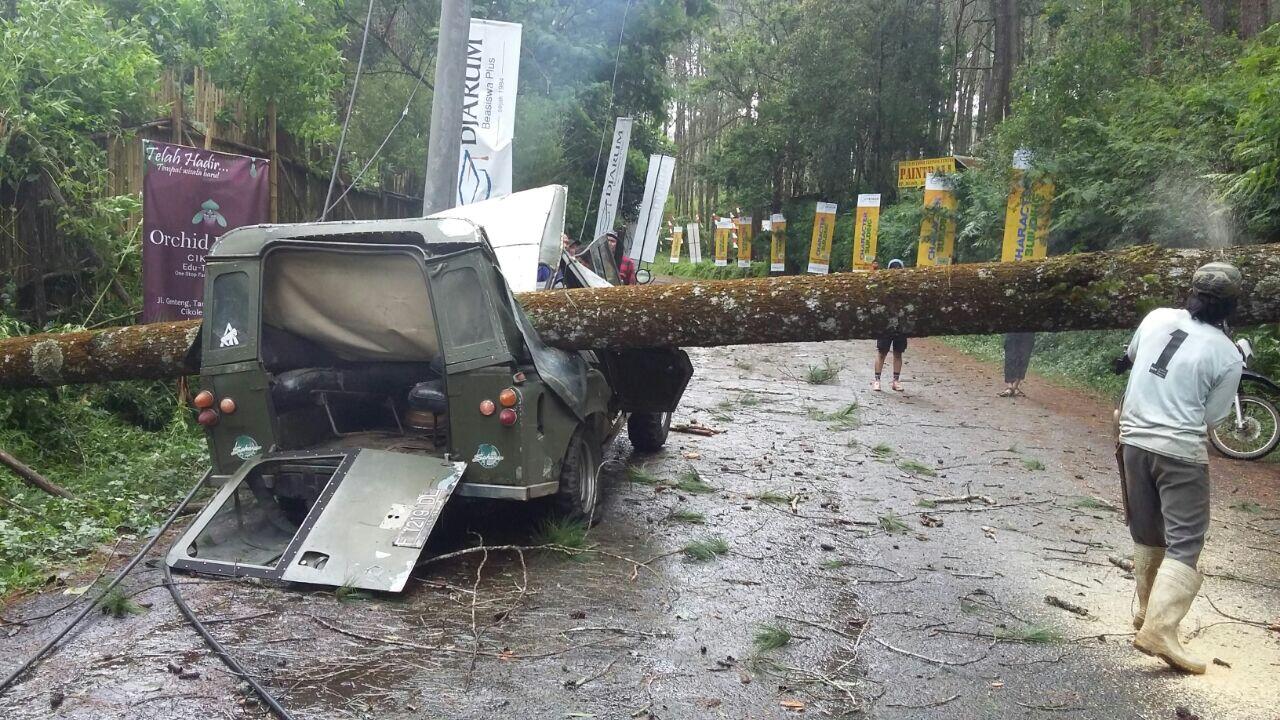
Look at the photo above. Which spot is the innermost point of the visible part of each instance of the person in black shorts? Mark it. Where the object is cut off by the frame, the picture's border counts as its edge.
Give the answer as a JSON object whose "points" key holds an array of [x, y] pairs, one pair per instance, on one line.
{"points": [[896, 343]]}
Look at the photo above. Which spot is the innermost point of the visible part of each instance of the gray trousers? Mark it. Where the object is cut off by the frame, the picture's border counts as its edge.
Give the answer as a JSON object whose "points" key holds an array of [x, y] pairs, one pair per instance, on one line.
{"points": [[1168, 503]]}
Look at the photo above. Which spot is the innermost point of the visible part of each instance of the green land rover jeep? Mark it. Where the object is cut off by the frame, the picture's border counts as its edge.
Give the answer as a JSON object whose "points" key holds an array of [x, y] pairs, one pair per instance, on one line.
{"points": [[355, 375]]}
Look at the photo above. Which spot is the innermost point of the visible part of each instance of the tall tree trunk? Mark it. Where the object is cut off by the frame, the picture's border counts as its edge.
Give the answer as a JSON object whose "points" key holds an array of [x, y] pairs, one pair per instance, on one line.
{"points": [[1008, 43], [1215, 13], [1071, 292], [1255, 16]]}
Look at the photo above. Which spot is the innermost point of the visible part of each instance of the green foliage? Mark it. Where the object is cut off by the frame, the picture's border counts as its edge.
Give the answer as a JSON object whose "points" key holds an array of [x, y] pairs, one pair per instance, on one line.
{"points": [[662, 265], [689, 517], [770, 637], [1081, 358], [846, 418], [116, 604], [915, 467], [691, 482], [642, 476], [561, 532], [708, 548], [1032, 464], [825, 374], [891, 523]]}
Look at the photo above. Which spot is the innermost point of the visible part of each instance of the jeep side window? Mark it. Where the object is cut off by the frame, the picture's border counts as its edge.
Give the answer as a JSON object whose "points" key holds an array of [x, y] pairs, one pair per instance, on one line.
{"points": [[229, 321], [461, 301]]}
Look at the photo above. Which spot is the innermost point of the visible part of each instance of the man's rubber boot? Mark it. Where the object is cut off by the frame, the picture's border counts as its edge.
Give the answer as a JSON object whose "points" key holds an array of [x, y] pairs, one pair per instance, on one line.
{"points": [[1146, 561], [1175, 587]]}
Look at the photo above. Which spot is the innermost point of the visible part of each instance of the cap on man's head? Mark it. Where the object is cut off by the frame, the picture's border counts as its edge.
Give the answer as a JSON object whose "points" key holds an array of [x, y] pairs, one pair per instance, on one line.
{"points": [[1217, 279], [895, 264]]}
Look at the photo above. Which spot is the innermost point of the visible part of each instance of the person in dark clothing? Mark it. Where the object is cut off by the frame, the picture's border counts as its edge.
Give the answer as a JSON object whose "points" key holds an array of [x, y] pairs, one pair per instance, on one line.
{"points": [[1017, 356], [626, 266], [896, 343]]}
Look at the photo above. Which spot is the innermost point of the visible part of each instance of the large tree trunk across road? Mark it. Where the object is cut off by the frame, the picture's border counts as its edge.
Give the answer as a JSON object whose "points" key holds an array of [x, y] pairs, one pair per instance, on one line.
{"points": [[1070, 292]]}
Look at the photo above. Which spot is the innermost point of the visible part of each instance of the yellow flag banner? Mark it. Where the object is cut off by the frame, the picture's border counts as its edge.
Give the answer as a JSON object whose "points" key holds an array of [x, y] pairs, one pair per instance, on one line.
{"points": [[1026, 219], [913, 173], [938, 229], [724, 229], [677, 239], [744, 242], [824, 228], [778, 243], [866, 231]]}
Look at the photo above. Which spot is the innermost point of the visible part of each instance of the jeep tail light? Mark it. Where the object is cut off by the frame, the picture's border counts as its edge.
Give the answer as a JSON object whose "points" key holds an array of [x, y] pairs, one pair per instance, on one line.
{"points": [[508, 398], [487, 407], [227, 406], [203, 401], [208, 417], [508, 417]]}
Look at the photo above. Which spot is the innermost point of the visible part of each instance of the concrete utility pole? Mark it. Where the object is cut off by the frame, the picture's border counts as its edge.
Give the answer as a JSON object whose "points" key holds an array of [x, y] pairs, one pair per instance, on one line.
{"points": [[445, 141]]}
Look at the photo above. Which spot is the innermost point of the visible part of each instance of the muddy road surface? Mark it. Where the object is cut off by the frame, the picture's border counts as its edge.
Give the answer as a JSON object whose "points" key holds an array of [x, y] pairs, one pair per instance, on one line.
{"points": [[831, 552]]}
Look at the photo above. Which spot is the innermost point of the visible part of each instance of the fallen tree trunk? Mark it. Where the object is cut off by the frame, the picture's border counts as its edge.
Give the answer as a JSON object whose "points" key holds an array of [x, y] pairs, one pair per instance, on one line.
{"points": [[31, 477], [1070, 292]]}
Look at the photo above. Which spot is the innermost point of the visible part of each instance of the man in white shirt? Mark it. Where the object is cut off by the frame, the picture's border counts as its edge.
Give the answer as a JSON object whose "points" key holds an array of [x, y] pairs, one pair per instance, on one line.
{"points": [[1185, 373]]}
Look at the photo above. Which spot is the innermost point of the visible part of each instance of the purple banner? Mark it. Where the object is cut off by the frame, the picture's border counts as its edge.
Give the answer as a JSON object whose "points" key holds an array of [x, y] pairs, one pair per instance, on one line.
{"points": [[190, 198]]}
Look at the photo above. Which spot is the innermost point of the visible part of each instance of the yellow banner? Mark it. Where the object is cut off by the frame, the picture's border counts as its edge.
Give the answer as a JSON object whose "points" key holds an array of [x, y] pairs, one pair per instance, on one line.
{"points": [[744, 242], [866, 231], [724, 229], [778, 243], [1026, 219], [912, 173], [677, 239], [938, 229], [824, 228]]}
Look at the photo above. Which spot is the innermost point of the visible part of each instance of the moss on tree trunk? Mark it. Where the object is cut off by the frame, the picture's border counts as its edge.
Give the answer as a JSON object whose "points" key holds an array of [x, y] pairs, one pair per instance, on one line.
{"points": [[1071, 292]]}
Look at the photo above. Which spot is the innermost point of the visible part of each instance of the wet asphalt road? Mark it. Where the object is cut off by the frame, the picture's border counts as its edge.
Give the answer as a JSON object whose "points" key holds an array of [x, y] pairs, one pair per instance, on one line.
{"points": [[831, 520]]}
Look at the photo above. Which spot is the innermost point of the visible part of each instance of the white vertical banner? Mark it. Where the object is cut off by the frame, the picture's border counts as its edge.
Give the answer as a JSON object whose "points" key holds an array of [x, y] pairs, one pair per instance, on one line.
{"points": [[656, 186], [611, 191], [694, 235], [488, 110]]}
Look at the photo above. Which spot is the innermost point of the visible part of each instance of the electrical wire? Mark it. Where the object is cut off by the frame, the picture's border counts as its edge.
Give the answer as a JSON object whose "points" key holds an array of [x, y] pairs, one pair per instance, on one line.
{"points": [[351, 101], [351, 185], [133, 562], [613, 84], [276, 708]]}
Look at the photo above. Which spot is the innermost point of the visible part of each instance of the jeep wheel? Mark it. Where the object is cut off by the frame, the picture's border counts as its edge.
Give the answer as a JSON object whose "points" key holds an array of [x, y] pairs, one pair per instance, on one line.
{"points": [[579, 491], [648, 431]]}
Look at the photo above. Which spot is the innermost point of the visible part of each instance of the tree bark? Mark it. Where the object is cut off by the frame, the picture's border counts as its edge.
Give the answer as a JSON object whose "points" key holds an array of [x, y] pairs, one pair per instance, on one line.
{"points": [[1255, 16], [31, 477], [1085, 291]]}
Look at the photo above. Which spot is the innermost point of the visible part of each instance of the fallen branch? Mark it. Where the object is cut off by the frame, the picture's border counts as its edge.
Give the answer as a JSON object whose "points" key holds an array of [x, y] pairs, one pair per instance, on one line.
{"points": [[962, 499], [1123, 563], [31, 477], [936, 661], [937, 703], [695, 429], [1058, 602]]}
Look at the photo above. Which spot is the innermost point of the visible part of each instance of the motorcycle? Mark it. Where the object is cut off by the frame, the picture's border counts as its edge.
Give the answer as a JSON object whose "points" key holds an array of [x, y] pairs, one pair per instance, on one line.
{"points": [[1252, 430]]}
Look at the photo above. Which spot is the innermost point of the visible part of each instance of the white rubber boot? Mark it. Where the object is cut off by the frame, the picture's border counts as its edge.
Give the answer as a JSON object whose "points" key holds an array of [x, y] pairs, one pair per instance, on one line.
{"points": [[1172, 592], [1146, 561]]}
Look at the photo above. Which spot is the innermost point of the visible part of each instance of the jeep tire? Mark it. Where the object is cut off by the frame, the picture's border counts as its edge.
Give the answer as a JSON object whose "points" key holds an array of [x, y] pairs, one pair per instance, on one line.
{"points": [[648, 431], [579, 491]]}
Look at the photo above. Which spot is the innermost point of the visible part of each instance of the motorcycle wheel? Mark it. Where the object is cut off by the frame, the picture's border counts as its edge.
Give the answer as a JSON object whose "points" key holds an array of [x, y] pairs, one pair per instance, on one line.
{"points": [[1257, 436]]}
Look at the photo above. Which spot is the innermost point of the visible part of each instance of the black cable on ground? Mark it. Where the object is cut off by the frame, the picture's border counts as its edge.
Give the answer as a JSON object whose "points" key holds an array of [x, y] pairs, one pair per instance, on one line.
{"points": [[133, 562], [276, 708]]}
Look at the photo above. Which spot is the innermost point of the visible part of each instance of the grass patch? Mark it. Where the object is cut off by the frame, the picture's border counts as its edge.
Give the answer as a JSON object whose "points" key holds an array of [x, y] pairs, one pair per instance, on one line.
{"points": [[563, 532], [689, 517], [883, 451], [641, 476], [926, 503], [770, 637], [117, 604], [1093, 503], [691, 482], [1032, 464], [722, 417], [350, 594], [825, 374], [916, 467], [1247, 506], [892, 524], [707, 548], [1078, 358], [1032, 634], [835, 563]]}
